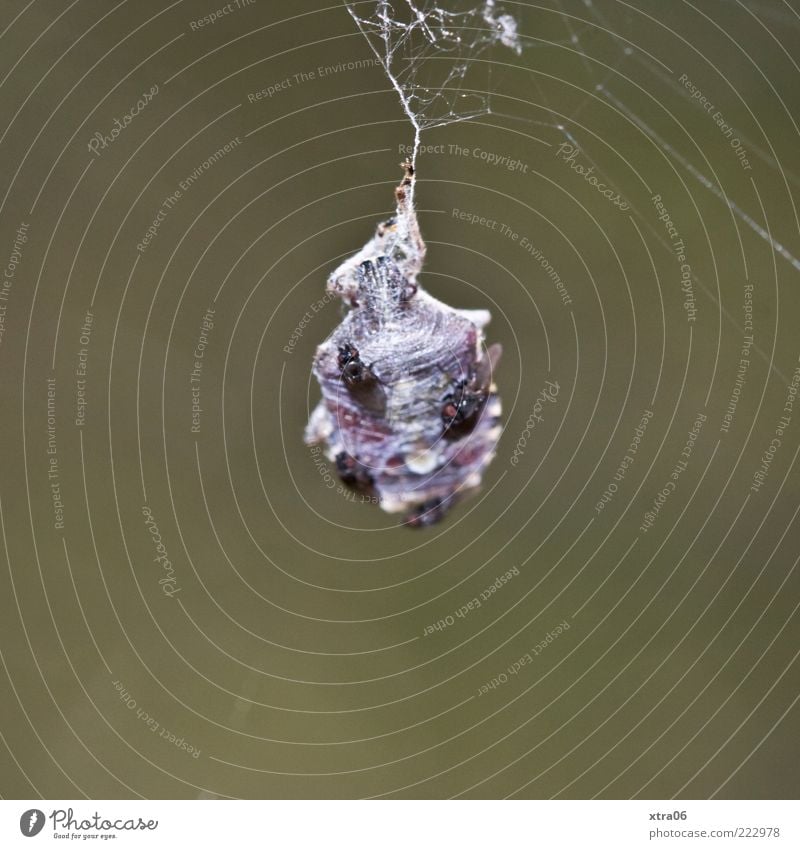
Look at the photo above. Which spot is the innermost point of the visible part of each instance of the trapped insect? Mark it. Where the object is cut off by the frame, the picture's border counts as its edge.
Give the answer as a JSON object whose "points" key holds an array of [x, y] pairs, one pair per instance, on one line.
{"points": [[409, 409]]}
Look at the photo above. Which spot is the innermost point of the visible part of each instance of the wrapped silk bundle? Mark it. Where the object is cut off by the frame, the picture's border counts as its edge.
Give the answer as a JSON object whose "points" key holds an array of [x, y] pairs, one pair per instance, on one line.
{"points": [[409, 411]]}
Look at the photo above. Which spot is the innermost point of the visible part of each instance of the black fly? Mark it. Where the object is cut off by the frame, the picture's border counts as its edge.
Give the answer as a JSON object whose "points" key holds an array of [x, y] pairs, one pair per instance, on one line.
{"points": [[462, 406], [360, 380]]}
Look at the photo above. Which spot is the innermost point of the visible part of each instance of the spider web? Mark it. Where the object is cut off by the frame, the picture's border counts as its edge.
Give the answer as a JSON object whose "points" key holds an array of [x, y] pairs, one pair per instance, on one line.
{"points": [[438, 58], [430, 55]]}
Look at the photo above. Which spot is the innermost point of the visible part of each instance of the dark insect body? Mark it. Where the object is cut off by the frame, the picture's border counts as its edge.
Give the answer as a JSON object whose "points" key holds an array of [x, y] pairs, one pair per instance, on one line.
{"points": [[354, 373], [463, 405], [353, 473], [426, 514], [360, 379]]}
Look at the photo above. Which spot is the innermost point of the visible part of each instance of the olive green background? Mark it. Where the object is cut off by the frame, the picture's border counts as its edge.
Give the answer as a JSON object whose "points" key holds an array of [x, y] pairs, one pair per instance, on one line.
{"points": [[293, 652]]}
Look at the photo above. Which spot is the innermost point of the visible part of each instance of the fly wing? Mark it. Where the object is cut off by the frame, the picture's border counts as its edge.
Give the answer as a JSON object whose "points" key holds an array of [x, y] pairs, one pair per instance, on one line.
{"points": [[368, 394], [371, 396]]}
